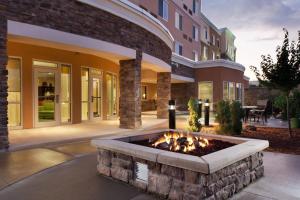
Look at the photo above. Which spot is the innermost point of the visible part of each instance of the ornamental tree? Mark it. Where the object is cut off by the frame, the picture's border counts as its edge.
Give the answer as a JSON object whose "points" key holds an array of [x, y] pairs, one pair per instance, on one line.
{"points": [[284, 74]]}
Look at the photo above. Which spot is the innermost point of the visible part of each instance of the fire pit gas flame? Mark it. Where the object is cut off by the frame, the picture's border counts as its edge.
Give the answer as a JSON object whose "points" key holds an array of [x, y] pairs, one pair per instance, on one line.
{"points": [[181, 142]]}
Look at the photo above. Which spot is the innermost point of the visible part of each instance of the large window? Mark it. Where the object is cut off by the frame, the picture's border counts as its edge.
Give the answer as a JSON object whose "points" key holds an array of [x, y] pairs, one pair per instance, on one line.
{"points": [[239, 92], [206, 91], [178, 48], [84, 94], [229, 91], [178, 21], [163, 9], [14, 92], [65, 92]]}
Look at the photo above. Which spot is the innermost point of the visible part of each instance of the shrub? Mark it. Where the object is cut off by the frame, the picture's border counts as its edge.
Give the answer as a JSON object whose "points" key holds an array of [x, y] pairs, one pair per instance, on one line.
{"points": [[193, 120], [229, 115], [223, 116], [237, 114]]}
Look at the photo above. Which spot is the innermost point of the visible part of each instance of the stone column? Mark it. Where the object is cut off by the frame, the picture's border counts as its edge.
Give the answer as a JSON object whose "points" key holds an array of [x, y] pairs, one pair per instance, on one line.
{"points": [[163, 94], [4, 144], [130, 92]]}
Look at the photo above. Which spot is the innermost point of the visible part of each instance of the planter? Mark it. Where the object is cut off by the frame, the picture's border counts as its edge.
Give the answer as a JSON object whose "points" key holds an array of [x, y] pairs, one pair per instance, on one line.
{"points": [[295, 123]]}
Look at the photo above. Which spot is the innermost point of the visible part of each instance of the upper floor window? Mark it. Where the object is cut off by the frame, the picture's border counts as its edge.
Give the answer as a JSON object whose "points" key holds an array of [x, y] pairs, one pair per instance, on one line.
{"points": [[163, 9], [195, 6], [195, 56], [178, 48], [206, 33], [213, 55], [195, 33], [218, 43], [205, 53], [214, 40], [178, 21]]}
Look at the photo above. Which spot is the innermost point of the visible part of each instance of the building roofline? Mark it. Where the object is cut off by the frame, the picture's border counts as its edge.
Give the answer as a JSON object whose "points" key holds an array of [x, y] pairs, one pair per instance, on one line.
{"points": [[246, 78], [227, 29], [207, 64], [210, 23]]}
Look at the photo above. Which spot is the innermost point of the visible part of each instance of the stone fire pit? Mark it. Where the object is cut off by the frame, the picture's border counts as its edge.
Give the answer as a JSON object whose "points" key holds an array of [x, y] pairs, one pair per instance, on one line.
{"points": [[173, 175]]}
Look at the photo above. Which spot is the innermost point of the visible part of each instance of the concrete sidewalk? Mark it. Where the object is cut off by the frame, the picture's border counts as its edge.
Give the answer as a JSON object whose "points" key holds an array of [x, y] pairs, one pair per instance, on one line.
{"points": [[76, 178], [39, 137]]}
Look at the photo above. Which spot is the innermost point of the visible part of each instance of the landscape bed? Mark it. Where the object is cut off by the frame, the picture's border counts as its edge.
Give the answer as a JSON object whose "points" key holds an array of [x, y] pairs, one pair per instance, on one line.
{"points": [[173, 167]]}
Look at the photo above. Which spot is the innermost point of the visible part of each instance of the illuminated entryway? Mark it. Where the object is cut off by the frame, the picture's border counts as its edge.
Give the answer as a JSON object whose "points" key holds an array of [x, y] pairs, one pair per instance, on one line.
{"points": [[91, 93], [52, 103]]}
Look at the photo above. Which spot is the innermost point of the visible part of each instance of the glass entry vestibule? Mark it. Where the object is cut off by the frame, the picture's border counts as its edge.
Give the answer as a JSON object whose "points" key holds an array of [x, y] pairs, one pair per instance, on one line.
{"points": [[52, 93]]}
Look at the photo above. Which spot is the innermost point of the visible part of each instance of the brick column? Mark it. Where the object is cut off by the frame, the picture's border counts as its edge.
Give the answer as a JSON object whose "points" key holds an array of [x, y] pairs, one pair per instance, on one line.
{"points": [[4, 144], [130, 93], [163, 94]]}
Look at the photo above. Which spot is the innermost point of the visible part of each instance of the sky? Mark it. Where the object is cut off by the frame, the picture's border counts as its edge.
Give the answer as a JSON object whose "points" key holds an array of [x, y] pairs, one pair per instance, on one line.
{"points": [[257, 25]]}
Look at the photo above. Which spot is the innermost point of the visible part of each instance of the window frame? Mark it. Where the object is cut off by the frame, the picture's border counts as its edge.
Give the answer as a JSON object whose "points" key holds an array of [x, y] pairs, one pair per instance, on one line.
{"points": [[163, 9], [179, 45], [178, 21]]}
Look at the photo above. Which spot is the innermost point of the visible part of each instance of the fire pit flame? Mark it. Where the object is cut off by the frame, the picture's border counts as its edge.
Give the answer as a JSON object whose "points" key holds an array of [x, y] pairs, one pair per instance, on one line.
{"points": [[179, 142]]}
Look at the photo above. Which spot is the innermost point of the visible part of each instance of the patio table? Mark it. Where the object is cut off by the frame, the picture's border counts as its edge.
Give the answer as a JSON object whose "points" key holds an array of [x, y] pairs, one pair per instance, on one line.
{"points": [[247, 110]]}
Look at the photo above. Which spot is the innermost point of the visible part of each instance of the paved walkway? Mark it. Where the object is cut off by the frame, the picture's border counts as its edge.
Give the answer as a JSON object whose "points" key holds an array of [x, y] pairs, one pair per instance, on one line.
{"points": [[68, 171], [20, 139]]}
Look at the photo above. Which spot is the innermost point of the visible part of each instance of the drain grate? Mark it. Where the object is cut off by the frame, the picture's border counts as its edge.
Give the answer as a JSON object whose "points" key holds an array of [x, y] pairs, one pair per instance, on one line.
{"points": [[141, 172]]}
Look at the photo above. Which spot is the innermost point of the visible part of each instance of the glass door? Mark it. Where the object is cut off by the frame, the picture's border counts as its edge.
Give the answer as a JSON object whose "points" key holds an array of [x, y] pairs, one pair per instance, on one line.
{"points": [[96, 98], [111, 89], [46, 97]]}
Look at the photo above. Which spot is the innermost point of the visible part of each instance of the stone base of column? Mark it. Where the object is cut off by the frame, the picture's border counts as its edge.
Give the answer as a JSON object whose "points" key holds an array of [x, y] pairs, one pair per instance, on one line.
{"points": [[4, 143], [163, 94]]}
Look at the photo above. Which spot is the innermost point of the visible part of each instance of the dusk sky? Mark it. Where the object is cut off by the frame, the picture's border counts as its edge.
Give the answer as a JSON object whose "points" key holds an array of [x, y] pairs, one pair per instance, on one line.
{"points": [[257, 24]]}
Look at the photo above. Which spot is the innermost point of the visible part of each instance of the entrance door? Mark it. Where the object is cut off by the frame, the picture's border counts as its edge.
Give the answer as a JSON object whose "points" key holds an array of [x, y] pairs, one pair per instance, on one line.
{"points": [[46, 97], [96, 97], [111, 89]]}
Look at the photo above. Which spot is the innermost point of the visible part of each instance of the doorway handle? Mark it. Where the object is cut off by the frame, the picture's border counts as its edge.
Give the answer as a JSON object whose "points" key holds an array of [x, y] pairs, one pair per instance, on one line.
{"points": [[57, 98]]}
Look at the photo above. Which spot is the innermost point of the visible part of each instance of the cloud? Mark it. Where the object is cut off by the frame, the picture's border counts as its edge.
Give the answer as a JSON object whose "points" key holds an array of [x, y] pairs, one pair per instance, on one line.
{"points": [[256, 23]]}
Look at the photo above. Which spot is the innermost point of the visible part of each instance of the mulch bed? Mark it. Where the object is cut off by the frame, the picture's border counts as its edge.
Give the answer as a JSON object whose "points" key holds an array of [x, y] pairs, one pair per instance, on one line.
{"points": [[279, 139]]}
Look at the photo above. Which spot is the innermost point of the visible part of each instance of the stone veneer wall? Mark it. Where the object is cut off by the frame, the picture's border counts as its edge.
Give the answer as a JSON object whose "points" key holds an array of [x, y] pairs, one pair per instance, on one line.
{"points": [[181, 93], [130, 92], [163, 94], [79, 18], [180, 184], [182, 70], [3, 84]]}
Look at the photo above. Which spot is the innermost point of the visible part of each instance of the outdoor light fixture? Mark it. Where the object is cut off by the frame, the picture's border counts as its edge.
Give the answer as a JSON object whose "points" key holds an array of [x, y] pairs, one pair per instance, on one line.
{"points": [[200, 108], [206, 116], [172, 114]]}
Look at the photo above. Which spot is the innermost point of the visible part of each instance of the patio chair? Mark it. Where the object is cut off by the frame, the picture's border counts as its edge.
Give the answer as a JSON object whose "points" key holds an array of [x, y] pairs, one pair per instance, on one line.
{"points": [[261, 112]]}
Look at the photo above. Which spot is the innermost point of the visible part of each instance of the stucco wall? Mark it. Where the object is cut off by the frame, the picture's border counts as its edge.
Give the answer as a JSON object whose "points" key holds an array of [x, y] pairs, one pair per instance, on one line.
{"points": [[77, 60]]}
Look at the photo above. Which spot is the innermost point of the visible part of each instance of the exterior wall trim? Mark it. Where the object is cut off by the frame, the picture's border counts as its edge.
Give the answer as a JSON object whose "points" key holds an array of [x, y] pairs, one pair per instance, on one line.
{"points": [[155, 64], [246, 78], [183, 60], [135, 14], [220, 63], [182, 78], [64, 38]]}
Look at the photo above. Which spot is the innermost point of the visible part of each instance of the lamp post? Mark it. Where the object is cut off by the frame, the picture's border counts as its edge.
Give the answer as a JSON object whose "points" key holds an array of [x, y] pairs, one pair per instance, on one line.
{"points": [[200, 108], [206, 116], [172, 114]]}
